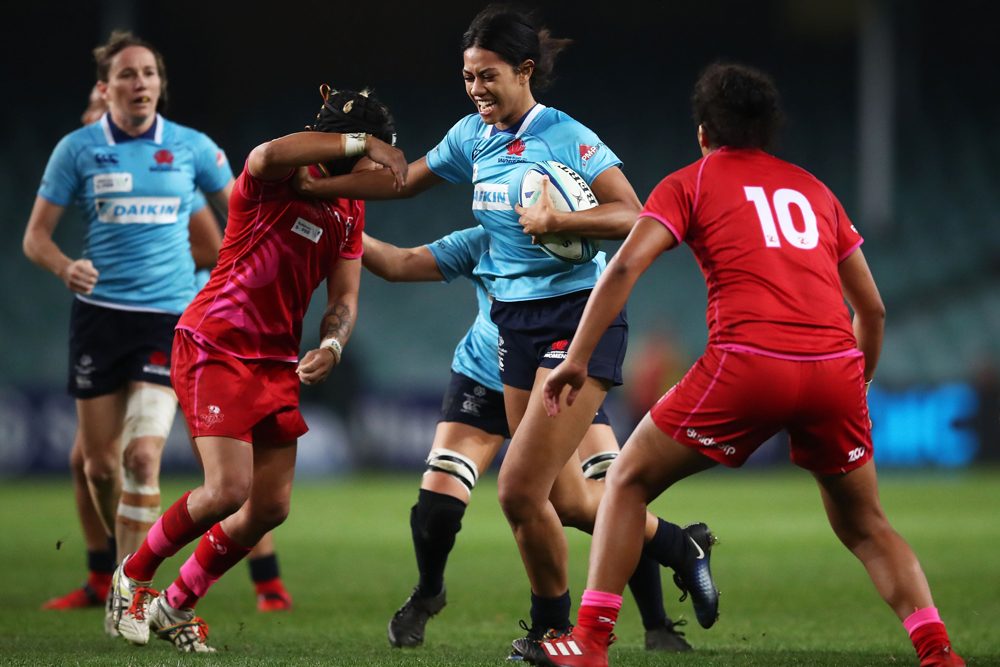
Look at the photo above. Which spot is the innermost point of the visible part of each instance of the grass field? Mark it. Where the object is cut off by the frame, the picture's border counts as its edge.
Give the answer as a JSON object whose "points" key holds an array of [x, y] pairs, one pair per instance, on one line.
{"points": [[791, 594]]}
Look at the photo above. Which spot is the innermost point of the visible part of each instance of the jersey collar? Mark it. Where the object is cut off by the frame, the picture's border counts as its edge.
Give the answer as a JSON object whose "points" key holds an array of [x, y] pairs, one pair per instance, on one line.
{"points": [[518, 128], [115, 135]]}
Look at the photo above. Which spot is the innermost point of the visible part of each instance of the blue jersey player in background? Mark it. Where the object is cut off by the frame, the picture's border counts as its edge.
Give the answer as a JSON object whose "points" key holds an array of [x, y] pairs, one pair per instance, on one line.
{"points": [[537, 300], [472, 428], [133, 174]]}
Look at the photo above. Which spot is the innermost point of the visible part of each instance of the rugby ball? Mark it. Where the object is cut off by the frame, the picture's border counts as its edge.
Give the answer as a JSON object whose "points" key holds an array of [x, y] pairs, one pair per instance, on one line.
{"points": [[568, 192]]}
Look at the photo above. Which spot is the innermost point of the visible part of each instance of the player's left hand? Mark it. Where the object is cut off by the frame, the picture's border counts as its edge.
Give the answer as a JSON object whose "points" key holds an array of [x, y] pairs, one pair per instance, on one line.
{"points": [[540, 217], [315, 366], [568, 373]]}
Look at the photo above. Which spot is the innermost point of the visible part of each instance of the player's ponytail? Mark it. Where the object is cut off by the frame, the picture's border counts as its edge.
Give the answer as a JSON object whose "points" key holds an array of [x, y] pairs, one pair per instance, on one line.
{"points": [[347, 111], [515, 36], [738, 106]]}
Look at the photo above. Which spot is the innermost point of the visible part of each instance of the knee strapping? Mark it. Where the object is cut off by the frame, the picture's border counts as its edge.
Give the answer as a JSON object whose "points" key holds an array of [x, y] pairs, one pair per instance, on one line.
{"points": [[149, 412], [437, 517], [596, 466], [452, 463]]}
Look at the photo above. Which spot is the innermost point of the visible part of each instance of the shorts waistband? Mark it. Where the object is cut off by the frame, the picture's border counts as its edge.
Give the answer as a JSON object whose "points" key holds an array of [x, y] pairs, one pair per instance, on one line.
{"points": [[549, 302], [733, 347]]}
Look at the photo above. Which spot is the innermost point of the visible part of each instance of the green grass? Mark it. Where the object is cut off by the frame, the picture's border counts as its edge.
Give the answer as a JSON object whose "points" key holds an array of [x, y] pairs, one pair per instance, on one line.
{"points": [[792, 595]]}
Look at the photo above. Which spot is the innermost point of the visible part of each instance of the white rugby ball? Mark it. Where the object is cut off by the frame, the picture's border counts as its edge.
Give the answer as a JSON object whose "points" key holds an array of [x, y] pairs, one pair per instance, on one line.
{"points": [[568, 192]]}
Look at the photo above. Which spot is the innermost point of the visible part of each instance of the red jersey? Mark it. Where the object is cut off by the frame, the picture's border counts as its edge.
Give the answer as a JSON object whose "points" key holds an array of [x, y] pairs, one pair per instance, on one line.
{"points": [[279, 246], [768, 237]]}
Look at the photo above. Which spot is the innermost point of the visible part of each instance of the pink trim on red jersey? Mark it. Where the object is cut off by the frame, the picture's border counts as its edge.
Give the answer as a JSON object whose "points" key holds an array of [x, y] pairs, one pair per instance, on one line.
{"points": [[733, 347], [852, 249], [352, 255], [666, 223], [204, 340], [718, 371]]}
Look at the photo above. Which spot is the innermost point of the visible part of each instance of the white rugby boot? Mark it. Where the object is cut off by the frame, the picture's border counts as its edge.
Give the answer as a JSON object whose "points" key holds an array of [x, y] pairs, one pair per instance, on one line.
{"points": [[180, 627], [127, 601]]}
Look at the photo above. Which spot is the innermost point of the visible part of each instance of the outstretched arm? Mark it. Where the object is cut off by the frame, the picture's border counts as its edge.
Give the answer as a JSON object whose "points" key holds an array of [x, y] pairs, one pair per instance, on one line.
{"points": [[869, 313], [612, 219], [648, 239], [274, 160], [369, 185], [338, 321], [396, 265]]}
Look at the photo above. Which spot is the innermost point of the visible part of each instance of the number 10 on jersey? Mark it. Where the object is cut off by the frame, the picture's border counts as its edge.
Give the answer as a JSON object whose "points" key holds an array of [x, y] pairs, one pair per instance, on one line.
{"points": [[783, 200]]}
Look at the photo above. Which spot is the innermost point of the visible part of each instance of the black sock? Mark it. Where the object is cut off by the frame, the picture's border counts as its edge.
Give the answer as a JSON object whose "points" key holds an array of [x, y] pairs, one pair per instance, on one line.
{"points": [[669, 546], [113, 549], [549, 613], [264, 568], [101, 562], [434, 522], [647, 589]]}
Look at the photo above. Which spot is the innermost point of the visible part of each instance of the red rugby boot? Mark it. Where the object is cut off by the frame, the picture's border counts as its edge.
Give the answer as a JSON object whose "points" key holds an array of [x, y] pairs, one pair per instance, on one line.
{"points": [[91, 594], [272, 596], [579, 648]]}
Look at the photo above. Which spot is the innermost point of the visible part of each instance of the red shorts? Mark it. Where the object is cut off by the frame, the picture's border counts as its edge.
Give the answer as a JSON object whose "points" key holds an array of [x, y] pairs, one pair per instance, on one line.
{"points": [[254, 400], [729, 403]]}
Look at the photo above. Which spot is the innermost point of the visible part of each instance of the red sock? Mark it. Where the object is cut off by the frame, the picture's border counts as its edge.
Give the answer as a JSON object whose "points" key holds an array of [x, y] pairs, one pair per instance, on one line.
{"points": [[100, 582], [216, 554], [599, 612], [171, 532], [928, 637]]}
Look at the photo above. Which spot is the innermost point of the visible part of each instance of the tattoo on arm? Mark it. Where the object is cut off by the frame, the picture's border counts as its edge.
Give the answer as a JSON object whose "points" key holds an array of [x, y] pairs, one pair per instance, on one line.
{"points": [[338, 321]]}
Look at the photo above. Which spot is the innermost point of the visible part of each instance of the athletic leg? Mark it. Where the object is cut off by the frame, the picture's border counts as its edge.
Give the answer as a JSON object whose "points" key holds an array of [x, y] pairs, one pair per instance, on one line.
{"points": [[855, 513], [101, 420], [149, 414], [436, 520]]}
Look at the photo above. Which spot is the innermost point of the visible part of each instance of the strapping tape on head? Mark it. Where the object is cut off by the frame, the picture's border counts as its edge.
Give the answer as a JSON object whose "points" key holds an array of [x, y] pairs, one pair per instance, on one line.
{"points": [[354, 123], [596, 466], [452, 463]]}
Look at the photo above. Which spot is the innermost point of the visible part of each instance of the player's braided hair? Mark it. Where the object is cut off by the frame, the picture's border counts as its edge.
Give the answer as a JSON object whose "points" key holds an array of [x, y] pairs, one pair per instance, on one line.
{"points": [[738, 106], [347, 111], [516, 36]]}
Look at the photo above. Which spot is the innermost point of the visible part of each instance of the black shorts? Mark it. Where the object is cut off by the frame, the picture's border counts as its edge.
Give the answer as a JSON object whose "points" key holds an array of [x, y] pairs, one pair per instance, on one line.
{"points": [[535, 334], [110, 347], [468, 402]]}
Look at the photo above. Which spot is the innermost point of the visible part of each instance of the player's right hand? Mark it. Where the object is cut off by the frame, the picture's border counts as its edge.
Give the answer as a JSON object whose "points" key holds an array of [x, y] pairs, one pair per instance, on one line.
{"points": [[390, 157], [568, 373], [80, 276], [302, 180]]}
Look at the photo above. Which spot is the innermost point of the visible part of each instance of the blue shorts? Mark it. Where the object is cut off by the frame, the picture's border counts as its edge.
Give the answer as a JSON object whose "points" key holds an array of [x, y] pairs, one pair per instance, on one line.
{"points": [[535, 334], [468, 402]]}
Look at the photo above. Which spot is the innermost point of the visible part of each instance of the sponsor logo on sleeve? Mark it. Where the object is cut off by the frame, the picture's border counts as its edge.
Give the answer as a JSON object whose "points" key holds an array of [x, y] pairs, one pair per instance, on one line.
{"points": [[587, 152], [117, 182], [490, 197], [154, 210], [475, 173], [308, 230], [220, 159]]}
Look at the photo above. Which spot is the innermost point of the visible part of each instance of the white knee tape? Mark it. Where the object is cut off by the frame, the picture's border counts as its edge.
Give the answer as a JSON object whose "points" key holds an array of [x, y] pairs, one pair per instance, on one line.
{"points": [[149, 412], [452, 463], [596, 466], [140, 514]]}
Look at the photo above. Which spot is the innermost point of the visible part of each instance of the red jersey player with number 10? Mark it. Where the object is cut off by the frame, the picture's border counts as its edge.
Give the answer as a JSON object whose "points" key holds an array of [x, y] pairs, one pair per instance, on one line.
{"points": [[235, 355], [779, 256]]}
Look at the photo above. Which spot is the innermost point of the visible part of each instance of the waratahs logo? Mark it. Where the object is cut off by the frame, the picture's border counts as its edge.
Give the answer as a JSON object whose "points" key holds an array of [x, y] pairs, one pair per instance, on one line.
{"points": [[560, 345], [515, 147], [163, 156]]}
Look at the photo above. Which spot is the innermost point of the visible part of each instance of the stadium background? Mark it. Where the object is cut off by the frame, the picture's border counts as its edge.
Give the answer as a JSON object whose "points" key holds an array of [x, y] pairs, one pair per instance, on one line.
{"points": [[892, 104]]}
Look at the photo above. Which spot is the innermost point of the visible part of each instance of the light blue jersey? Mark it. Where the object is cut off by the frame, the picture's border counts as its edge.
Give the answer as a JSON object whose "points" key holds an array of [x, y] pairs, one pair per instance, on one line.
{"points": [[476, 355], [136, 197], [493, 161]]}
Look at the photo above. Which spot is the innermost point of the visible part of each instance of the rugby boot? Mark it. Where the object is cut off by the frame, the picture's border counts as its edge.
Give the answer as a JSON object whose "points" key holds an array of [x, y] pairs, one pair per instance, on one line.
{"points": [[406, 628], [536, 635], [109, 617], [92, 594], [694, 577], [667, 638], [180, 627], [578, 648], [272, 596], [942, 656], [128, 599]]}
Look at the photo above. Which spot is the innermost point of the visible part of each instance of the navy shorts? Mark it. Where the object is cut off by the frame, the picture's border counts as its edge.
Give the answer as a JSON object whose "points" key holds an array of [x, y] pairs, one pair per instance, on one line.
{"points": [[468, 402], [535, 334], [110, 347]]}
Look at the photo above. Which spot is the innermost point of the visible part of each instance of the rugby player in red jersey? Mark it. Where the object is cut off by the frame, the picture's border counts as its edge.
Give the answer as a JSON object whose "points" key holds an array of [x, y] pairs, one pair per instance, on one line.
{"points": [[779, 256], [236, 368]]}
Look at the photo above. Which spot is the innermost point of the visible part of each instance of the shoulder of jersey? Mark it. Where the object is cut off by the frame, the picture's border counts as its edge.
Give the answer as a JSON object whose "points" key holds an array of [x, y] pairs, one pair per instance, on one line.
{"points": [[175, 132], [557, 123], [88, 135]]}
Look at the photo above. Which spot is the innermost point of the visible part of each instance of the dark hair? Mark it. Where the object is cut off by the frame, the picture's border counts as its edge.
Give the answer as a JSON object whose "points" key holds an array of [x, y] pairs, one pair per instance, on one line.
{"points": [[515, 36], [738, 106], [347, 111], [118, 42]]}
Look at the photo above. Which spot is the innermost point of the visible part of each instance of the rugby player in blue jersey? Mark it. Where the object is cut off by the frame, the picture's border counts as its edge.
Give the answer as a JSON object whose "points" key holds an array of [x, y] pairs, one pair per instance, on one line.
{"points": [[537, 300], [133, 174], [472, 428]]}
